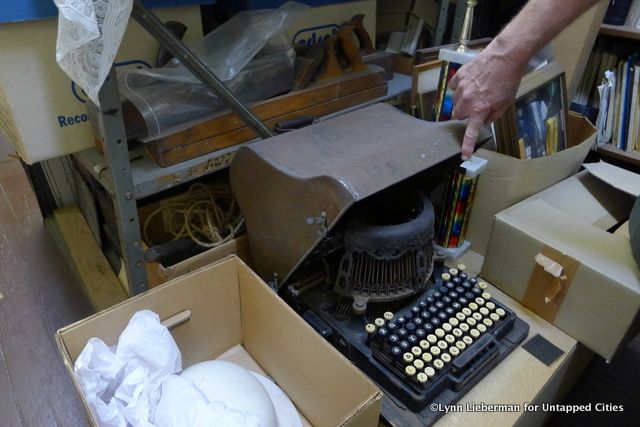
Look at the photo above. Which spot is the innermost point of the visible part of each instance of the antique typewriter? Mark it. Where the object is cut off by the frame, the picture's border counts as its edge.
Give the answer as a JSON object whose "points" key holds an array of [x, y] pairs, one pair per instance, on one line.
{"points": [[340, 225]]}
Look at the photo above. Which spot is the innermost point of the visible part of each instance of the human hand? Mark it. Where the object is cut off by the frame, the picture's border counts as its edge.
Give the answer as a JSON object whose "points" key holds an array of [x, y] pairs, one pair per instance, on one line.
{"points": [[483, 89]]}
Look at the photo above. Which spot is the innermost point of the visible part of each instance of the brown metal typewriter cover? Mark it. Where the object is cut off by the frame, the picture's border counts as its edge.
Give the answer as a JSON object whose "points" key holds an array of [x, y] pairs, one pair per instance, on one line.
{"points": [[293, 188]]}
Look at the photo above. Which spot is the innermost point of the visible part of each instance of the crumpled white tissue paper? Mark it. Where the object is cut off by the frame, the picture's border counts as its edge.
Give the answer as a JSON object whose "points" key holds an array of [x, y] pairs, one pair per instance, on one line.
{"points": [[89, 35]]}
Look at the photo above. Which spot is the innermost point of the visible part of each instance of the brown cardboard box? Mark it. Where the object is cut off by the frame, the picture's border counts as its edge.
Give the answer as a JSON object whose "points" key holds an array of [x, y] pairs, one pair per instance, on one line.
{"points": [[226, 306], [507, 180], [552, 252]]}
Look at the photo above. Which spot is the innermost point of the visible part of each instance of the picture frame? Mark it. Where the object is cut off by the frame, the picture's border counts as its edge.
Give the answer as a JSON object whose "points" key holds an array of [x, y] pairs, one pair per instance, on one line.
{"points": [[424, 84], [535, 125]]}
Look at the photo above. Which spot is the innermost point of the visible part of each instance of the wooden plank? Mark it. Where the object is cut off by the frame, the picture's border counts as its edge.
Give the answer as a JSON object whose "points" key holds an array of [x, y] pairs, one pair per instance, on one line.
{"points": [[620, 31], [100, 282], [217, 142], [609, 151], [9, 414]]}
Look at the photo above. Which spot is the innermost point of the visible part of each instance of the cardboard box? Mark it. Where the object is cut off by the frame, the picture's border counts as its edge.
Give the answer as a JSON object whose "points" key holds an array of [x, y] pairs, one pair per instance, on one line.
{"points": [[552, 252], [507, 180], [229, 306], [42, 113]]}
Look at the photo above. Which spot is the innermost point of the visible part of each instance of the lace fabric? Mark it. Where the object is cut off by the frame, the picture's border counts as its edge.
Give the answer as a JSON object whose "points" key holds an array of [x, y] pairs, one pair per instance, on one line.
{"points": [[89, 35]]}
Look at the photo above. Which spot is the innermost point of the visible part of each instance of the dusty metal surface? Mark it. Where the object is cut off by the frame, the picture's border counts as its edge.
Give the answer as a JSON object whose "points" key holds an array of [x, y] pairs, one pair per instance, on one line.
{"points": [[293, 188]]}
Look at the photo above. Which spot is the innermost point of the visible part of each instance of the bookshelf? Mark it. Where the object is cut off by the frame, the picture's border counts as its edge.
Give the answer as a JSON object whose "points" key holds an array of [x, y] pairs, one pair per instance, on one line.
{"points": [[620, 31]]}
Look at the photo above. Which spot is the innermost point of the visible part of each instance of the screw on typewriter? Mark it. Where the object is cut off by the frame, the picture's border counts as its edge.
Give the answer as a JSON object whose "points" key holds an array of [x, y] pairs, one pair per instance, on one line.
{"points": [[388, 250]]}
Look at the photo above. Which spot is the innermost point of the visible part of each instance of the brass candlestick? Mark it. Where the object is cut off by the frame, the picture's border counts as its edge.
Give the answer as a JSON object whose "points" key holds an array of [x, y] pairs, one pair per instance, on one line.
{"points": [[465, 33]]}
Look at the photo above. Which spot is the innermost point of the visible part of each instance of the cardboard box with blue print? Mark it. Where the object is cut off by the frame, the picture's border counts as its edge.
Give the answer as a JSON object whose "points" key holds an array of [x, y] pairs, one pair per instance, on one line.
{"points": [[42, 113], [556, 253]]}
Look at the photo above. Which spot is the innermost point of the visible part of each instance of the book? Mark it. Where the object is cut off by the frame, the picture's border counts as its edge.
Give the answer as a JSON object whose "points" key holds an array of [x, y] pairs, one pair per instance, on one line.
{"points": [[633, 113]]}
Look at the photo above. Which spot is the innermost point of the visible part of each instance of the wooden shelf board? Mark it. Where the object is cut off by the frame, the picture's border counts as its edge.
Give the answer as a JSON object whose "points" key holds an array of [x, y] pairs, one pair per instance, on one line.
{"points": [[620, 31], [631, 157]]}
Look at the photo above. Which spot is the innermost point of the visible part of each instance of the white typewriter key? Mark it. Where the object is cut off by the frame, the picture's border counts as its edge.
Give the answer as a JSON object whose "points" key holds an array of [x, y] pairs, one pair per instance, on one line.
{"points": [[438, 364], [461, 345], [422, 377], [439, 333], [457, 332], [419, 364], [379, 322], [432, 339], [490, 305], [417, 351], [429, 371], [445, 277], [486, 296], [370, 328], [450, 339], [481, 328], [435, 350], [453, 322], [494, 317], [447, 327], [484, 311], [453, 272], [407, 357], [479, 301], [464, 327], [471, 321], [424, 344], [467, 340], [443, 345], [453, 351], [427, 357], [500, 312], [482, 285], [410, 370], [487, 322], [477, 316], [388, 315], [461, 267], [446, 357], [460, 316], [466, 311], [474, 333], [473, 306]]}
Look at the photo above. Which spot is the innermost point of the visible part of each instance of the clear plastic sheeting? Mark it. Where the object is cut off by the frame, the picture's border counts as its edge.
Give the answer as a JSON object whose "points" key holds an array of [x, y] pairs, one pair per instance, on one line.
{"points": [[89, 35], [250, 52]]}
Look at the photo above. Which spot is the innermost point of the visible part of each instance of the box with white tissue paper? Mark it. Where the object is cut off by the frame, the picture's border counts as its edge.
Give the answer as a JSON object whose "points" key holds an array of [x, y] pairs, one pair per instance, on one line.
{"points": [[162, 359]]}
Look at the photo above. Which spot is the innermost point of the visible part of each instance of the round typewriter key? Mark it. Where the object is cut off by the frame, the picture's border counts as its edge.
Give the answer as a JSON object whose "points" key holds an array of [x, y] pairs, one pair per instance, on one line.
{"points": [[396, 352], [481, 328], [469, 295], [433, 309], [370, 328], [418, 321], [446, 300], [394, 339], [439, 305], [450, 338], [442, 316], [424, 344], [460, 316], [410, 370], [453, 272], [457, 333], [402, 332], [422, 304], [412, 339], [500, 312], [487, 322], [453, 295], [379, 322], [486, 296], [439, 333], [450, 285], [463, 276], [454, 351], [407, 357], [484, 311], [466, 284], [404, 345], [432, 339], [415, 310], [473, 306], [461, 345], [460, 290], [408, 315], [479, 301], [417, 351], [422, 377], [467, 340], [436, 295], [474, 333], [453, 321], [427, 357], [438, 364], [449, 311], [420, 333], [400, 321], [387, 315], [436, 321], [428, 328], [447, 327], [482, 285], [463, 327], [473, 280], [435, 350], [490, 305], [443, 345], [463, 301], [418, 363], [410, 327], [461, 267], [426, 315], [494, 317], [429, 300], [392, 326], [476, 291], [383, 332], [466, 311], [445, 357], [429, 371], [457, 281], [445, 277], [471, 321], [477, 316]]}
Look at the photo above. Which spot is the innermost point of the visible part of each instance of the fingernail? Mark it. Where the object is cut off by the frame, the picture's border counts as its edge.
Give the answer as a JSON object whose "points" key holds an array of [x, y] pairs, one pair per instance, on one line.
{"points": [[465, 157]]}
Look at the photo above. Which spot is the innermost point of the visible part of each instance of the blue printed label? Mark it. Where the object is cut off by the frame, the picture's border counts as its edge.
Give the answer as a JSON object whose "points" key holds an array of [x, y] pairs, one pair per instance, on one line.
{"points": [[309, 36]]}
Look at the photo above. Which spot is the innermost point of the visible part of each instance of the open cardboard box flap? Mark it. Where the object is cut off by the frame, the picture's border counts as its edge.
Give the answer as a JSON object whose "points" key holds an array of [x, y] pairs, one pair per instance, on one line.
{"points": [[229, 305]]}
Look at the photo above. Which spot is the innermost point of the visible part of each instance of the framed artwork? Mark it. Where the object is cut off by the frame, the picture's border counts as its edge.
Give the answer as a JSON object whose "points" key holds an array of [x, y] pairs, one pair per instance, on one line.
{"points": [[536, 124], [424, 84]]}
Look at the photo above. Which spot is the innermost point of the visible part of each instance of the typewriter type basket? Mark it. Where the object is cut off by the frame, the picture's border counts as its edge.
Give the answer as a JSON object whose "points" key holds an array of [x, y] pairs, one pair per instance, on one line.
{"points": [[388, 250]]}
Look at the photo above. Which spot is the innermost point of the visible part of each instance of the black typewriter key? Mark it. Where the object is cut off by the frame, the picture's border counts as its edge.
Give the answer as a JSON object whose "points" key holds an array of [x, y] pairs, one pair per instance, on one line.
{"points": [[477, 291], [457, 281], [463, 276], [443, 290], [428, 328], [449, 311], [469, 295], [439, 305], [433, 309], [383, 332], [401, 321], [392, 326], [402, 332], [394, 339], [456, 306], [413, 340], [418, 321], [460, 290], [423, 305], [473, 280], [404, 346], [415, 310], [450, 285], [453, 295], [463, 301], [447, 300], [426, 315], [408, 315], [410, 327], [429, 301], [443, 316], [436, 295], [435, 321], [421, 333], [397, 352]]}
